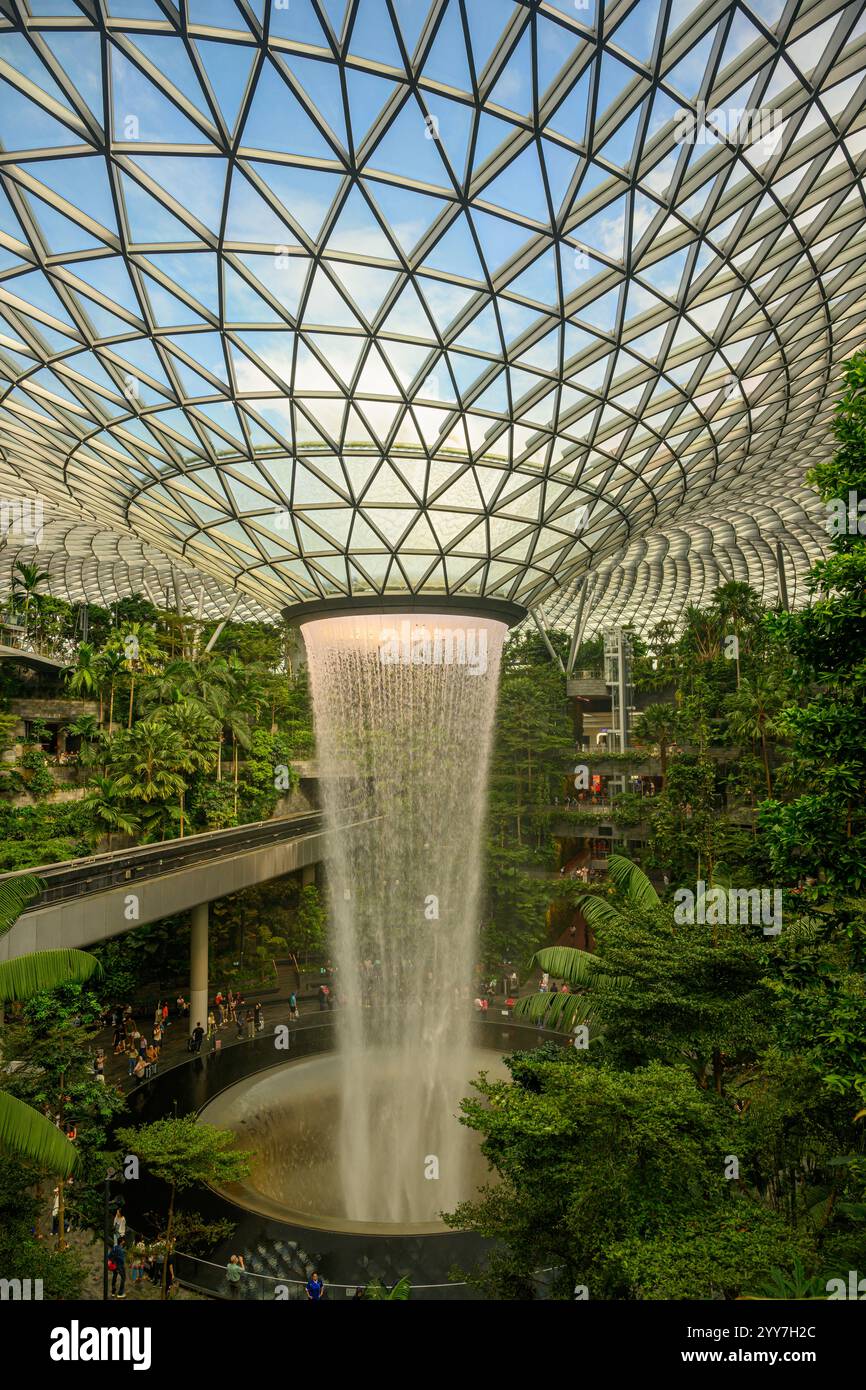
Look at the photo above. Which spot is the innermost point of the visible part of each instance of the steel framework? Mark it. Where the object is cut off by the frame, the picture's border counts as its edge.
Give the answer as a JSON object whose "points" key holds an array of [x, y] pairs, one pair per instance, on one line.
{"points": [[473, 297]]}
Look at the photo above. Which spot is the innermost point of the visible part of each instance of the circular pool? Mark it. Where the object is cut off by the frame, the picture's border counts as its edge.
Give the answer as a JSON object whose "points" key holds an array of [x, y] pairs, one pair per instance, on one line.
{"points": [[286, 1218], [288, 1120]]}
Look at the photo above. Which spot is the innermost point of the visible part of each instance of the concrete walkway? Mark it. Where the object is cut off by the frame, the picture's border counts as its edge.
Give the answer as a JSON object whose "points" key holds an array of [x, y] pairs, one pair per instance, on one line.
{"points": [[275, 1008]]}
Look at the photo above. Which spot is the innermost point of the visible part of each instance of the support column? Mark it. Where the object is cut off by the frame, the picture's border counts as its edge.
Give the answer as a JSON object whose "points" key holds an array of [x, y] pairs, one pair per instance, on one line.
{"points": [[198, 981]]}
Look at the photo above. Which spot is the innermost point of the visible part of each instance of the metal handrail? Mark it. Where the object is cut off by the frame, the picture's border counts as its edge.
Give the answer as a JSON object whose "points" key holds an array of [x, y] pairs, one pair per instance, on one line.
{"points": [[98, 872]]}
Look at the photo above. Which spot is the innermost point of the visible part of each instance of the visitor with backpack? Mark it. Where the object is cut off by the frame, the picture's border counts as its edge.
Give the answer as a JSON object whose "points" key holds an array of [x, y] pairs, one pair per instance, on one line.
{"points": [[117, 1267]]}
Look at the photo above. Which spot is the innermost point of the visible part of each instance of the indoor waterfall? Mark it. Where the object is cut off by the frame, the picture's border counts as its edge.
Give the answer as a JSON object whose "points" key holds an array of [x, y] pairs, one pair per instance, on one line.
{"points": [[403, 709]]}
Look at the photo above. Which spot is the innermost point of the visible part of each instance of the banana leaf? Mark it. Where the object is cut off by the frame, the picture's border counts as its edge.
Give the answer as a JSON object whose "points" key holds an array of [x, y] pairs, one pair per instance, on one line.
{"points": [[597, 911], [25, 976], [27, 1134], [15, 895], [566, 963], [559, 1012], [632, 881]]}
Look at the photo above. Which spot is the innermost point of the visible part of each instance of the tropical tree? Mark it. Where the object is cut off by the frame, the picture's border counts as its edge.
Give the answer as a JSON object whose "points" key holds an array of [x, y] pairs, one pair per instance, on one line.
{"points": [[753, 714], [27, 583], [197, 732], [83, 679], [739, 609], [378, 1292], [702, 633], [582, 970], [658, 724], [23, 1131], [140, 654], [93, 739], [104, 801], [110, 668], [151, 761], [182, 1153]]}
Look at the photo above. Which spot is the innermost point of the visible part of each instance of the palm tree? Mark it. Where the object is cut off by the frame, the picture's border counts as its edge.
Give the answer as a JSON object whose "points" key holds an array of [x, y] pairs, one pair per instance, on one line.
{"points": [[86, 726], [141, 653], [236, 704], [658, 724], [151, 760], [738, 606], [581, 969], [110, 666], [104, 801], [380, 1293], [83, 679], [23, 1130], [702, 633], [92, 750], [198, 732], [177, 680], [27, 581], [752, 715]]}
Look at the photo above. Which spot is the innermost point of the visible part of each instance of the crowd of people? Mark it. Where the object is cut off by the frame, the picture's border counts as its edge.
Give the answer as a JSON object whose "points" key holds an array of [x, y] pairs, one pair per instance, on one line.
{"points": [[140, 1047], [229, 1010]]}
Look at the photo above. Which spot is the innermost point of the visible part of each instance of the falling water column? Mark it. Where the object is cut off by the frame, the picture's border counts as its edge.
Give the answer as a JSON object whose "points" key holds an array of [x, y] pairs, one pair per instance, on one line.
{"points": [[403, 709]]}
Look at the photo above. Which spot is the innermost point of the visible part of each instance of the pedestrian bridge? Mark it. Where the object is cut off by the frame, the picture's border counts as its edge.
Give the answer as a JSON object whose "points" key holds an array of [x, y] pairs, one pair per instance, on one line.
{"points": [[88, 900]]}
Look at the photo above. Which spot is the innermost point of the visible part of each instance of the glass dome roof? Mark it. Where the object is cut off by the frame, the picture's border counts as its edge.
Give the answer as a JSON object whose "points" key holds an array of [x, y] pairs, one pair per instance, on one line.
{"points": [[471, 297]]}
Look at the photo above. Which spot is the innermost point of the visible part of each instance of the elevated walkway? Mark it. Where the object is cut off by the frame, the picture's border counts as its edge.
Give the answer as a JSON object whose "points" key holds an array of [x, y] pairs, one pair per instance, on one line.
{"points": [[33, 660], [88, 900]]}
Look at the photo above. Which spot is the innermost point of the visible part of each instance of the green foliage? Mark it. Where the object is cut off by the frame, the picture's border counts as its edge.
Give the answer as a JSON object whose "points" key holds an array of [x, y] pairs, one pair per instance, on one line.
{"points": [[821, 834], [379, 1293], [23, 1131], [22, 1254], [311, 921], [616, 1181], [532, 746], [23, 976], [184, 1153], [35, 777]]}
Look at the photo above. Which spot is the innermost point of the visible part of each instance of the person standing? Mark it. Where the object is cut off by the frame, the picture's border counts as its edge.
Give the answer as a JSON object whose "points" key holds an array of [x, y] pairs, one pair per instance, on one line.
{"points": [[315, 1287], [197, 1035], [260, 1018], [250, 1021], [293, 1006], [119, 1225], [211, 1025], [117, 1265], [323, 998], [235, 1269]]}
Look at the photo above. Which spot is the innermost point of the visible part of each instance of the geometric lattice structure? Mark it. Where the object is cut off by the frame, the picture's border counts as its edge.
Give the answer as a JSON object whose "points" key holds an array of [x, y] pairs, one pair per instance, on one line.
{"points": [[444, 296], [770, 547], [86, 563]]}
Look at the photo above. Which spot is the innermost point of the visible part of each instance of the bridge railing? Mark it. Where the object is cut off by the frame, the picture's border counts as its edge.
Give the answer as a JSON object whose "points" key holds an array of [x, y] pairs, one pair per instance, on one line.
{"points": [[100, 872]]}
